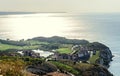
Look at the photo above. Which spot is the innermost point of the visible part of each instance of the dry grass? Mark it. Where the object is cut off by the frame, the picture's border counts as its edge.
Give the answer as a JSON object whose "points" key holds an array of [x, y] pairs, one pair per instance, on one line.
{"points": [[13, 68]]}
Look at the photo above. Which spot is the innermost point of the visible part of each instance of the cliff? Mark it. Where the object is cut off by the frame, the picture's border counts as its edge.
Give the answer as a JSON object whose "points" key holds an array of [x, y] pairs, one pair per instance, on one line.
{"points": [[79, 62], [65, 69], [105, 57], [97, 70], [105, 54]]}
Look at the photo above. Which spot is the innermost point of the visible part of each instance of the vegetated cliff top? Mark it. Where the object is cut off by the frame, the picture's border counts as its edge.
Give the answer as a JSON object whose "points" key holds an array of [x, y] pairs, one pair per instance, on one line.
{"points": [[48, 42], [63, 40], [57, 39]]}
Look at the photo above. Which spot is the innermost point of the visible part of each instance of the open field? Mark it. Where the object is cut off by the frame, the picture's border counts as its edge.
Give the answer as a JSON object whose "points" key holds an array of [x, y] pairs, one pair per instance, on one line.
{"points": [[64, 50], [6, 47]]}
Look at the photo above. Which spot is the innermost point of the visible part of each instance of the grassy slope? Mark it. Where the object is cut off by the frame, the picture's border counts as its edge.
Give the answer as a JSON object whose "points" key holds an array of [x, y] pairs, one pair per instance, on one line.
{"points": [[6, 47], [65, 67], [64, 50], [94, 57], [33, 45], [75, 69]]}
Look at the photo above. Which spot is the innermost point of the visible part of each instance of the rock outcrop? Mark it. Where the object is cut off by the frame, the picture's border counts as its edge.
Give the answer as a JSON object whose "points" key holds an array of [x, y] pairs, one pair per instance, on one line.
{"points": [[105, 57], [97, 70], [41, 68]]}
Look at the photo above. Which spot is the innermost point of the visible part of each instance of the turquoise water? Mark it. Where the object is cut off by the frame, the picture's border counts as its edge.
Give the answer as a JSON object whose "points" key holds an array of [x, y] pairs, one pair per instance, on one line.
{"points": [[104, 28]]}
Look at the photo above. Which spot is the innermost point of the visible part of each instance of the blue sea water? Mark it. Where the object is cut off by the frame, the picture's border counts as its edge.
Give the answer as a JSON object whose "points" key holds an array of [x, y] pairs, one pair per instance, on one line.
{"points": [[104, 28]]}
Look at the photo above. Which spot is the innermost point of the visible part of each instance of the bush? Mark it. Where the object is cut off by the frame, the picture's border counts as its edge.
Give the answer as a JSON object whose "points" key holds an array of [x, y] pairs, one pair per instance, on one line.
{"points": [[12, 67]]}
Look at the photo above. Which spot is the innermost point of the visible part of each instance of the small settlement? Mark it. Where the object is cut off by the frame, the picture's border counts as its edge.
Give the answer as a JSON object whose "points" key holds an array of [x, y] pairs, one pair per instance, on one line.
{"points": [[79, 53]]}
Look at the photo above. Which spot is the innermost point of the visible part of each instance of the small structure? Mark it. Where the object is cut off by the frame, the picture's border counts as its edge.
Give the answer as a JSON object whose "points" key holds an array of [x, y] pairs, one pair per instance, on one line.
{"points": [[31, 54]]}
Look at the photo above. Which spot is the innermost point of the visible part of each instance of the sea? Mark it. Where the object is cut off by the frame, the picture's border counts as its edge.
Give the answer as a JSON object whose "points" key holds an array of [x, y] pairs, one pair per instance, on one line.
{"points": [[95, 27]]}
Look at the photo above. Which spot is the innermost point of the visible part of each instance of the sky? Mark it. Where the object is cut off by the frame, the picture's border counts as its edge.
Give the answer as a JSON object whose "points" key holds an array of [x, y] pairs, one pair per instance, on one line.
{"points": [[60, 5]]}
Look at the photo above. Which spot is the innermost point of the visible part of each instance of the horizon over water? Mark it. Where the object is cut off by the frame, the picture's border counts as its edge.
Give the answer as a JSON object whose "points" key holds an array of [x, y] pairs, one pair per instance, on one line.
{"points": [[104, 28]]}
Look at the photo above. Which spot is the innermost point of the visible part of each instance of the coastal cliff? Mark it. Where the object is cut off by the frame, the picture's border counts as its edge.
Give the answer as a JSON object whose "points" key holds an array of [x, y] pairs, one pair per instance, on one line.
{"points": [[71, 57], [105, 57], [105, 54], [53, 68]]}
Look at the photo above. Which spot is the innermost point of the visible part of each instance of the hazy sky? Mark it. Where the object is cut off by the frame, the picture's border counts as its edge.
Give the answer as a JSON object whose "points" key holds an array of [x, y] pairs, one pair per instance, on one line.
{"points": [[60, 5]]}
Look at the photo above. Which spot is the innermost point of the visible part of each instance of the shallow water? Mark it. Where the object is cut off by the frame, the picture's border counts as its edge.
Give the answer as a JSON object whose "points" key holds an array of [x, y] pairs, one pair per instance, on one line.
{"points": [[43, 53]]}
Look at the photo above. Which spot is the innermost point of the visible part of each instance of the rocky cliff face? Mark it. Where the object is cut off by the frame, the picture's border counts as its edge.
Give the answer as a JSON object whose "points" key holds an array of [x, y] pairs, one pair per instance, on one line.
{"points": [[48, 69], [96, 70], [105, 57], [39, 68]]}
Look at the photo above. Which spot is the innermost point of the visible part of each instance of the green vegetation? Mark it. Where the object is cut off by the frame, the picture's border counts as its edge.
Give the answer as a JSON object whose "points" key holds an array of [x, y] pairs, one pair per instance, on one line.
{"points": [[94, 57], [64, 50], [82, 66], [61, 40], [16, 66], [13, 64], [4, 47], [41, 43], [76, 65], [34, 42], [66, 68]]}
